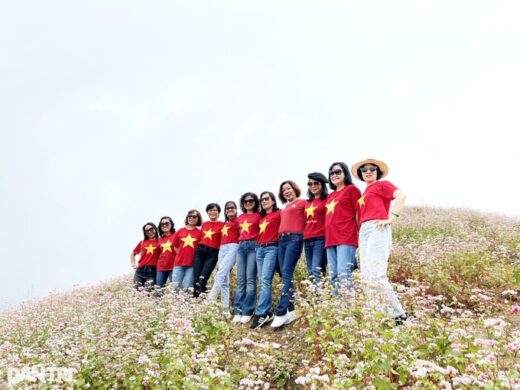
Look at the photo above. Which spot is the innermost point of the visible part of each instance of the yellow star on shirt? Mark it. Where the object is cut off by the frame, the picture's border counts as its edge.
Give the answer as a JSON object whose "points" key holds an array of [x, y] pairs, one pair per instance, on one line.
{"points": [[167, 246], [262, 226], [188, 241], [330, 206], [224, 230], [310, 210], [245, 226], [150, 248], [208, 233], [361, 201]]}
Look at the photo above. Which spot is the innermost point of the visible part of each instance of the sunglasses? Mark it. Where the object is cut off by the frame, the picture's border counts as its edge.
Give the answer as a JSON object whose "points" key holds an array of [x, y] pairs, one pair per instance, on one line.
{"points": [[313, 183], [265, 199], [149, 230], [368, 169], [193, 216], [165, 223], [336, 172], [247, 201], [231, 208]]}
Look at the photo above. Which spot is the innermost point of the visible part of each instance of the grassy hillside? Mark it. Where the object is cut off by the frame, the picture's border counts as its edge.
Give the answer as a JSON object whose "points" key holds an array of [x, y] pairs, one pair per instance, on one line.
{"points": [[457, 271]]}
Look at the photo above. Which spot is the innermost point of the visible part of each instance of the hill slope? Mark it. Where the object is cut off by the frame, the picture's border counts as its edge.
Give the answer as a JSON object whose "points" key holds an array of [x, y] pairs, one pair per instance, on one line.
{"points": [[457, 270]]}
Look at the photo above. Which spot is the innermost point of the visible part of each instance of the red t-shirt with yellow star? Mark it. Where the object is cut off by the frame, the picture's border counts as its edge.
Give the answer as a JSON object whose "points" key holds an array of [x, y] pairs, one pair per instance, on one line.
{"points": [[167, 254], [248, 226], [340, 219], [375, 202], [230, 233], [148, 251], [268, 227], [186, 241], [315, 218], [293, 217], [211, 234]]}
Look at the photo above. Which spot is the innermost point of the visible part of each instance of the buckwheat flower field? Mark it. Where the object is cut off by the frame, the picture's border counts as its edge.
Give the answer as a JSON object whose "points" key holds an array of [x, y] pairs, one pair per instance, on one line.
{"points": [[456, 271]]}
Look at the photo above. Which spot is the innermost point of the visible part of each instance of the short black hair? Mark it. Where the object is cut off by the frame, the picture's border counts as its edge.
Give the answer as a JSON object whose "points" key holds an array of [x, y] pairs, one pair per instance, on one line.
{"points": [[346, 172], [271, 195], [323, 194], [255, 197], [154, 228], [226, 205], [213, 206], [172, 230], [199, 217], [360, 175], [295, 188]]}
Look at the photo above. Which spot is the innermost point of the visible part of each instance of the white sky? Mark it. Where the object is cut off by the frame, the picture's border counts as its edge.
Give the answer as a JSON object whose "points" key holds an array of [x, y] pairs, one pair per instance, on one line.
{"points": [[114, 113]]}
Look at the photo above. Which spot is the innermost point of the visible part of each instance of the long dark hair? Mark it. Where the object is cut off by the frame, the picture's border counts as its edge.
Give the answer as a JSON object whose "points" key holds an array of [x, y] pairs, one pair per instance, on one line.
{"points": [[154, 228], [172, 229], [323, 193], [346, 173], [273, 198], [256, 209], [229, 203]]}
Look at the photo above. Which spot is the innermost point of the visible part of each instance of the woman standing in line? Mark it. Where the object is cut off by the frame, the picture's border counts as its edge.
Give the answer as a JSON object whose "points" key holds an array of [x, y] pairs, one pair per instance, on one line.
{"points": [[206, 255], [314, 232], [185, 243], [226, 256], [341, 228], [167, 253], [290, 245], [245, 295], [145, 270], [266, 256], [375, 236]]}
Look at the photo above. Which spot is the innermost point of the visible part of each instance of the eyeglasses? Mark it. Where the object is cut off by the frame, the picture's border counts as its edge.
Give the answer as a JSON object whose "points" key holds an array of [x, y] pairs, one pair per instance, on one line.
{"points": [[265, 199], [230, 208], [149, 230], [368, 169], [246, 201], [193, 216], [313, 183], [335, 172]]}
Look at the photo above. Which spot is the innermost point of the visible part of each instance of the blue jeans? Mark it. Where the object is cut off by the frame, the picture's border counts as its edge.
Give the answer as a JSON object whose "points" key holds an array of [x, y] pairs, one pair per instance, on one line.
{"points": [[316, 258], [162, 277], [226, 261], [266, 259], [290, 246], [245, 295], [182, 277], [342, 261]]}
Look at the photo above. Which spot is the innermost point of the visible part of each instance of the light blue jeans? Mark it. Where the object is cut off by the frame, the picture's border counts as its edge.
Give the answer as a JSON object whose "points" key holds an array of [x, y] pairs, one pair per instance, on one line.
{"points": [[266, 259], [226, 261], [342, 261], [245, 295], [182, 277], [374, 250]]}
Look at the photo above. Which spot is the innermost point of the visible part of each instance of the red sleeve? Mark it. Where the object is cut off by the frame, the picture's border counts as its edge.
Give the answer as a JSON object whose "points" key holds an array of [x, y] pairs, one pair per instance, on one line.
{"points": [[355, 194], [175, 240], [137, 249], [388, 190]]}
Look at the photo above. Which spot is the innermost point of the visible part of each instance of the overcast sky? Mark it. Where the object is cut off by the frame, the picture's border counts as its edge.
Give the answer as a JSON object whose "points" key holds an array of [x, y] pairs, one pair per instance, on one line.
{"points": [[115, 113]]}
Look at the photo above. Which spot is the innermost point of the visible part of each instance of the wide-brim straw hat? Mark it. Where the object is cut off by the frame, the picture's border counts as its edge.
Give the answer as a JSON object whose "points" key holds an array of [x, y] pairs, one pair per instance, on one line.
{"points": [[382, 167]]}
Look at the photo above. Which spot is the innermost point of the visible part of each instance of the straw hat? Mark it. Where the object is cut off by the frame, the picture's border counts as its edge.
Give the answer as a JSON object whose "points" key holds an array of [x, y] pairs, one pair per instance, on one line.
{"points": [[382, 167]]}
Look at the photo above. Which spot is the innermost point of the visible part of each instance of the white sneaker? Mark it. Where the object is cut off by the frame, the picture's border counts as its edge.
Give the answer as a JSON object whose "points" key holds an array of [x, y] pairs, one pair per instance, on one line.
{"points": [[291, 316], [237, 318], [245, 319], [279, 320]]}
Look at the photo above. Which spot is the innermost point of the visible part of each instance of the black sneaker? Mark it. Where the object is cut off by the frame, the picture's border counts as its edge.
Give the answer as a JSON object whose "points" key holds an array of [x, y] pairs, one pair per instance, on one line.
{"points": [[259, 321], [401, 319]]}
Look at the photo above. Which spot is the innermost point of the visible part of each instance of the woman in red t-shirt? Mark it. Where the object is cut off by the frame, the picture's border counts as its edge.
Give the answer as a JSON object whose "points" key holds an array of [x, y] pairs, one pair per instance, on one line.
{"points": [[185, 243], [375, 236], [148, 251], [206, 255], [290, 245], [341, 229], [314, 233], [226, 256], [167, 253]]}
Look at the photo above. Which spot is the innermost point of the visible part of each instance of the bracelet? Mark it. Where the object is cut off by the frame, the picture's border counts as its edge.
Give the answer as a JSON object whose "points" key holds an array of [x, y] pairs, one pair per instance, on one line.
{"points": [[394, 214]]}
